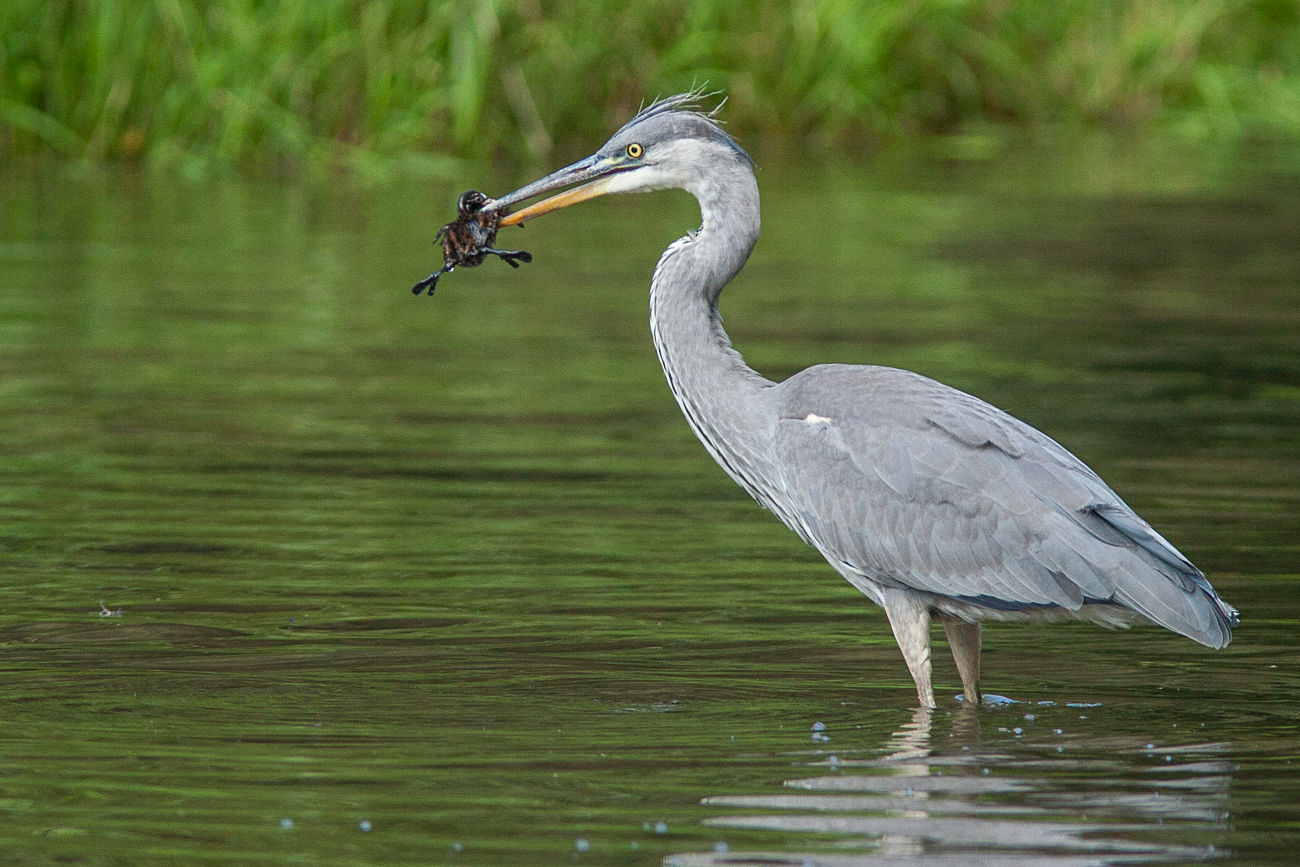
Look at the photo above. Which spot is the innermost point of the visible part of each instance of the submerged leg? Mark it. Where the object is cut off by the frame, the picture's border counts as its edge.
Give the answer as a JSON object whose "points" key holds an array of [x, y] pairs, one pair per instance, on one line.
{"points": [[964, 639], [910, 619]]}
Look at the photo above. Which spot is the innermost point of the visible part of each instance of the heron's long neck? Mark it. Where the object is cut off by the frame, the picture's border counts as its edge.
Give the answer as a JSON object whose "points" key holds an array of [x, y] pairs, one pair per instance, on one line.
{"points": [[722, 398]]}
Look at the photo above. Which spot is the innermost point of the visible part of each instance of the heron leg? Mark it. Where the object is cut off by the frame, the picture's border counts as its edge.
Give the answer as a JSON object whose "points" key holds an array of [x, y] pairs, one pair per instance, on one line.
{"points": [[910, 619], [964, 639]]}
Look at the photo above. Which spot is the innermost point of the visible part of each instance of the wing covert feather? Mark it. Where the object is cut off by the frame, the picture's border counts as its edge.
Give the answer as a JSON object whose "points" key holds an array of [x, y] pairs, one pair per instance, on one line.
{"points": [[909, 483]]}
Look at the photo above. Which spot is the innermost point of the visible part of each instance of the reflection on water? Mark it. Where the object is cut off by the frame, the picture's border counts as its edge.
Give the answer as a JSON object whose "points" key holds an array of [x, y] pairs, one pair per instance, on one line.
{"points": [[298, 568], [1072, 800]]}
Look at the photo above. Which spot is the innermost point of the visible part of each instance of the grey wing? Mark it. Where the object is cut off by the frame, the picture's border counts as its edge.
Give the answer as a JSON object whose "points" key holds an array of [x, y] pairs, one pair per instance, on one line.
{"points": [[910, 483]]}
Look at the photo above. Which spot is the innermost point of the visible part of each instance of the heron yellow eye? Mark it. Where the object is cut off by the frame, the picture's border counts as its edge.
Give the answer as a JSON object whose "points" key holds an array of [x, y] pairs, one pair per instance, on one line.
{"points": [[635, 150]]}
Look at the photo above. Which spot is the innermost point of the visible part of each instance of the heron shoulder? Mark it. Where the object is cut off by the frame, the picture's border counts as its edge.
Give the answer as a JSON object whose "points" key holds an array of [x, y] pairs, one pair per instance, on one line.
{"points": [[914, 431], [887, 397]]}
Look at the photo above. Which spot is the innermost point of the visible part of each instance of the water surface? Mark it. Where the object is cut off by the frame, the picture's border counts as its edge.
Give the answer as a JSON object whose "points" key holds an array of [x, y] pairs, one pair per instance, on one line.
{"points": [[298, 568]]}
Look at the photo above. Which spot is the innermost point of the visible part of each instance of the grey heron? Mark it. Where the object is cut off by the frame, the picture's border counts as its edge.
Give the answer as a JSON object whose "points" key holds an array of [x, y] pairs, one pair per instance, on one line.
{"points": [[931, 502]]}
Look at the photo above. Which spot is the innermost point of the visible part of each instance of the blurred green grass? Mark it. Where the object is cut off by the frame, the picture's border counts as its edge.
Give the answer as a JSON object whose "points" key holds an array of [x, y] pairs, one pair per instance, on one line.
{"points": [[293, 84]]}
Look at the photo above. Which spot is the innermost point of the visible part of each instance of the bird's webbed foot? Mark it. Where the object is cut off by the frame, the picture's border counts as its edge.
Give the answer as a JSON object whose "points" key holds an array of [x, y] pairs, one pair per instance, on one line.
{"points": [[510, 256], [431, 282]]}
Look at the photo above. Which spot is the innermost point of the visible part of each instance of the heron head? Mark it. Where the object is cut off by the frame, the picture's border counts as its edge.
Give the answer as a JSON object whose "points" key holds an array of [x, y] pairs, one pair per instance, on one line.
{"points": [[669, 144]]}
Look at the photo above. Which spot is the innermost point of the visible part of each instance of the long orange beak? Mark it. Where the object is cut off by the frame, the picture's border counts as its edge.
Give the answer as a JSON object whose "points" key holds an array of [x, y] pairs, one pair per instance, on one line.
{"points": [[593, 174], [554, 203]]}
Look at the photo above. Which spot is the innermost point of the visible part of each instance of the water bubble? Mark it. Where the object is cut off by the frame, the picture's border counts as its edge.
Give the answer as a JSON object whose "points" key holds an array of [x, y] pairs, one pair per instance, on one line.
{"points": [[721, 848], [1151, 746], [286, 824], [661, 827], [634, 846], [1169, 758], [645, 826], [833, 760], [1018, 730], [819, 727], [984, 771], [582, 844], [365, 825], [457, 847], [1029, 717]]}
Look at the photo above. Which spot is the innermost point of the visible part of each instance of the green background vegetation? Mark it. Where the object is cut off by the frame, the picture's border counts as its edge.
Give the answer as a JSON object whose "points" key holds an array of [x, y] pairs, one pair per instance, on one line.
{"points": [[291, 83]]}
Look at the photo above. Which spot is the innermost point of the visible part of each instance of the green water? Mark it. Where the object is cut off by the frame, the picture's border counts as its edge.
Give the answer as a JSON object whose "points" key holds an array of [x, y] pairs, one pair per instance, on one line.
{"points": [[297, 568]]}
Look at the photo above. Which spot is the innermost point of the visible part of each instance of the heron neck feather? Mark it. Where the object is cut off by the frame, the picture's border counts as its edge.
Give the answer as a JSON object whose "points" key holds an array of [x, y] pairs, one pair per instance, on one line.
{"points": [[723, 399]]}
